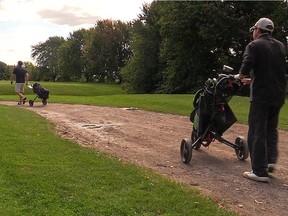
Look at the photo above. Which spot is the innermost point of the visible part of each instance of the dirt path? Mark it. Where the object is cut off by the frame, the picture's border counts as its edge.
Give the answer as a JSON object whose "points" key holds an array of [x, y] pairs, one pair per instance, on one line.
{"points": [[152, 140]]}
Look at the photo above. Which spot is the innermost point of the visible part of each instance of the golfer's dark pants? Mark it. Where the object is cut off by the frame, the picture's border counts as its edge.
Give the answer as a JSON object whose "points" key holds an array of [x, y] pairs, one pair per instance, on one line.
{"points": [[263, 136]]}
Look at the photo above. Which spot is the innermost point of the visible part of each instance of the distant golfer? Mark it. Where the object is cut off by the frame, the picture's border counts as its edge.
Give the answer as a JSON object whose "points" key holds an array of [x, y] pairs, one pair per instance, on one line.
{"points": [[21, 76]]}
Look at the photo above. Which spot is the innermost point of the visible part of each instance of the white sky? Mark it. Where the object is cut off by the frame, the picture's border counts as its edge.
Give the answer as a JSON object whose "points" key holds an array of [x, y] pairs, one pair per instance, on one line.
{"points": [[24, 23]]}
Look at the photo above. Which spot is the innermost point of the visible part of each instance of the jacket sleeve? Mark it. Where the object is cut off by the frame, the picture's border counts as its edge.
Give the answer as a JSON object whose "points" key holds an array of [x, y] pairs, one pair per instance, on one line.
{"points": [[248, 61]]}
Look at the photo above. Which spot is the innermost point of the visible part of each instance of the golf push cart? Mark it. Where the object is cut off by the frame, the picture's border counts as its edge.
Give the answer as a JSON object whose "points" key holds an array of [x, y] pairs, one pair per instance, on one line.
{"points": [[212, 116], [40, 92]]}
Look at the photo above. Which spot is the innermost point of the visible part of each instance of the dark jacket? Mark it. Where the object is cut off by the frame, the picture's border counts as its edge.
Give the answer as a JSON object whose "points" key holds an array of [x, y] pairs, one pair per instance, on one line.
{"points": [[20, 74], [264, 58]]}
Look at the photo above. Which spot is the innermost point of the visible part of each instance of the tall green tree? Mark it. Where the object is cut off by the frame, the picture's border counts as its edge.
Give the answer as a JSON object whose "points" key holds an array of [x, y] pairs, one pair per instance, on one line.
{"points": [[106, 50], [187, 56], [47, 57], [72, 61], [141, 74]]}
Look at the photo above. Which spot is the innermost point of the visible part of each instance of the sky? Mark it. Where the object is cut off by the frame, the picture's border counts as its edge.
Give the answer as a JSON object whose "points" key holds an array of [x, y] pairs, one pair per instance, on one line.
{"points": [[24, 23]]}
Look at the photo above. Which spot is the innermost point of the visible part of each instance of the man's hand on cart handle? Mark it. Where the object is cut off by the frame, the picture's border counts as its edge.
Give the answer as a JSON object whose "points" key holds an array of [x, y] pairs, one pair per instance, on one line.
{"points": [[246, 81]]}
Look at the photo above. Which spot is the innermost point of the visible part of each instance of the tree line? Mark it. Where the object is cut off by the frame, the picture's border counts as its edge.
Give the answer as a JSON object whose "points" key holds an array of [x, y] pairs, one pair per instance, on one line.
{"points": [[172, 47]]}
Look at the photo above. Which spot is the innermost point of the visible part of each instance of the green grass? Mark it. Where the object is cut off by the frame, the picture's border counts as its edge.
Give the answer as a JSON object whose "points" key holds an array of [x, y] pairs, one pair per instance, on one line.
{"points": [[60, 88], [113, 95], [43, 174]]}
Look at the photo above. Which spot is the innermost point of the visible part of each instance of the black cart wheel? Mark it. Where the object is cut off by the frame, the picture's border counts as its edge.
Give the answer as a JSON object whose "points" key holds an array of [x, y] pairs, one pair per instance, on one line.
{"points": [[31, 102], [242, 152], [44, 102], [186, 151], [194, 138]]}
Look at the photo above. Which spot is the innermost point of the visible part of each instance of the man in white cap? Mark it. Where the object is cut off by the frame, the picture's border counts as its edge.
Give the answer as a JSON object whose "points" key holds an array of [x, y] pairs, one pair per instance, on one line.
{"points": [[264, 61]]}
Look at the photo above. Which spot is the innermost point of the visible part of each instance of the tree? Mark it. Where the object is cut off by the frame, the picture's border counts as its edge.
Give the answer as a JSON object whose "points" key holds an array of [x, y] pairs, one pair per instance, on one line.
{"points": [[72, 61], [4, 71], [32, 71], [47, 57], [106, 50], [141, 74]]}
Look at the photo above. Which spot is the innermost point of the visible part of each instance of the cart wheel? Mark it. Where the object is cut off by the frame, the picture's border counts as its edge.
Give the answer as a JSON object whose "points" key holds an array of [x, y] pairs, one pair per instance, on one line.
{"points": [[243, 152], [44, 102], [31, 102], [194, 138], [186, 151]]}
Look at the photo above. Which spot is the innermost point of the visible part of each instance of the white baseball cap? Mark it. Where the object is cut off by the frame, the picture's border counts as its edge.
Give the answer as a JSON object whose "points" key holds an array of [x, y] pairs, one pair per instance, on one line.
{"points": [[263, 23]]}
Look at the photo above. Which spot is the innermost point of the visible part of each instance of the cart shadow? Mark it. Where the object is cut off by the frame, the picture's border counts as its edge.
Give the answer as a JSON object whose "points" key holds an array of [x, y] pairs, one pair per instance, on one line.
{"points": [[205, 159]]}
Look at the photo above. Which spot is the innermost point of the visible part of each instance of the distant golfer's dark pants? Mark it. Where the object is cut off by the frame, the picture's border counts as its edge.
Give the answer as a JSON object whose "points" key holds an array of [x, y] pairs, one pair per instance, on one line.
{"points": [[263, 136]]}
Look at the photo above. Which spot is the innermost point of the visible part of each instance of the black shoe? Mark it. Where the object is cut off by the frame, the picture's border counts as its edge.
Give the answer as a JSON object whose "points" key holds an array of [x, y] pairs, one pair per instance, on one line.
{"points": [[24, 100]]}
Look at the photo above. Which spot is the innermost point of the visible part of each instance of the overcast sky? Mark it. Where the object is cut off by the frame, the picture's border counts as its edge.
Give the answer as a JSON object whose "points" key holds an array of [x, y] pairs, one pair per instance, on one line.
{"points": [[24, 23]]}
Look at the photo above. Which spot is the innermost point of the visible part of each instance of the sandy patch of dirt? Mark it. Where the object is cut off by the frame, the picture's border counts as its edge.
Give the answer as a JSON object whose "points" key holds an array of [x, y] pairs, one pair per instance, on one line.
{"points": [[152, 140]]}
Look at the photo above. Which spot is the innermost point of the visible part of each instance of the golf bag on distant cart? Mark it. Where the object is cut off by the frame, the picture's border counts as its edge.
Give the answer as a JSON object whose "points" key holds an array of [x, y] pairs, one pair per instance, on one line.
{"points": [[40, 92], [212, 116]]}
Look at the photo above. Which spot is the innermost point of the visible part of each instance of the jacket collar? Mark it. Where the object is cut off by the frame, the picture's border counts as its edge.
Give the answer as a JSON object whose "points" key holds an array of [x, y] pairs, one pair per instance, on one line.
{"points": [[264, 35]]}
